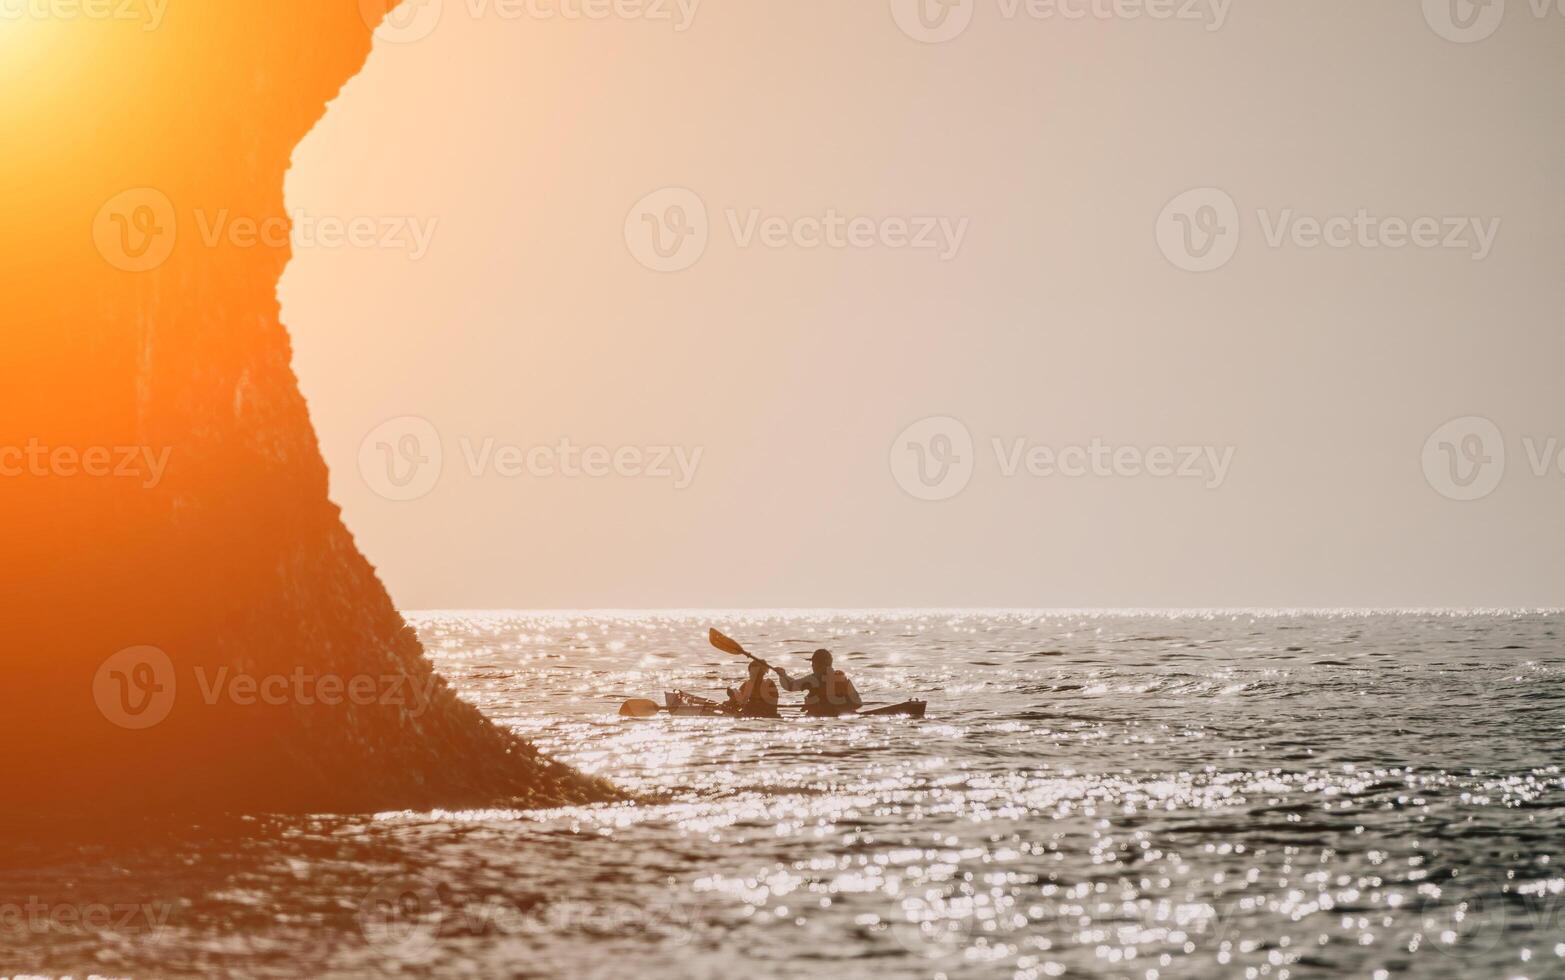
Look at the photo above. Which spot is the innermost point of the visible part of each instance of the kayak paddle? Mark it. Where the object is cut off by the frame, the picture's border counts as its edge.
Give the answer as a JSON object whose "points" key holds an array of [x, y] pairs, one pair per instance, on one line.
{"points": [[731, 646], [643, 708]]}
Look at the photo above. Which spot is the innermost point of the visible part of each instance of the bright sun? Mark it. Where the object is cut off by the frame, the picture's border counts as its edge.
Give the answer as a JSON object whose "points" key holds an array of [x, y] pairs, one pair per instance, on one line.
{"points": [[20, 38]]}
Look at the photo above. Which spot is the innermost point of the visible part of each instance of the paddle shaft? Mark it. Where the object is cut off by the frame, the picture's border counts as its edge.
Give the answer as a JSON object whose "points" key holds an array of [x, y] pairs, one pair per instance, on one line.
{"points": [[729, 645]]}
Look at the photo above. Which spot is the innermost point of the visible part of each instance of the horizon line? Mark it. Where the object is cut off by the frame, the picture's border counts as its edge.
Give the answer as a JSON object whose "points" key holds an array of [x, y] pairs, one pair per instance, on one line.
{"points": [[775, 612]]}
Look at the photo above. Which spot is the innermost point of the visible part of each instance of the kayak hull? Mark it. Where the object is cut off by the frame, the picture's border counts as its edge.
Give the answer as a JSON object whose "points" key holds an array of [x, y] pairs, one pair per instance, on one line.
{"points": [[907, 709], [683, 705]]}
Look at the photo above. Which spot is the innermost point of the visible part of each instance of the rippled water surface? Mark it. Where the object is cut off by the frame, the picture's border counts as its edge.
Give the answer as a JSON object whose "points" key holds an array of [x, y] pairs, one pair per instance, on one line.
{"points": [[1096, 794]]}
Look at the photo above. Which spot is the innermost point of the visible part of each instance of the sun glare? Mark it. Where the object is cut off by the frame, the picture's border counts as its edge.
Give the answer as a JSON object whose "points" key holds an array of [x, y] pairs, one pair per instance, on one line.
{"points": [[22, 43]]}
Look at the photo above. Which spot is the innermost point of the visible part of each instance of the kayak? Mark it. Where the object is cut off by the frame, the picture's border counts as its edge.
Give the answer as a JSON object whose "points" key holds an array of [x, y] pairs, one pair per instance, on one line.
{"points": [[683, 705]]}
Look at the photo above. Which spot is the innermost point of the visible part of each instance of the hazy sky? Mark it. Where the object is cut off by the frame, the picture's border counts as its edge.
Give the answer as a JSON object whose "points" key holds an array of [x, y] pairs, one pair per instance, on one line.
{"points": [[979, 306]]}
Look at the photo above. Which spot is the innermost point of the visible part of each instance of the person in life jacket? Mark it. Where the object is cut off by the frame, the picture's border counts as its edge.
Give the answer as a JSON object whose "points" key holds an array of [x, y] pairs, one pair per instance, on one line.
{"points": [[827, 692], [757, 697]]}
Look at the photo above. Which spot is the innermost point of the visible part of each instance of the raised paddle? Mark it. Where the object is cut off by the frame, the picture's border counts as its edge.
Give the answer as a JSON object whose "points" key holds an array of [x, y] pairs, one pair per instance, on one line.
{"points": [[729, 645], [643, 708]]}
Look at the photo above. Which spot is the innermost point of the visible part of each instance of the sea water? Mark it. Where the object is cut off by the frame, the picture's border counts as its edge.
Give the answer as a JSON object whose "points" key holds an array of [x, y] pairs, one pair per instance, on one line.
{"points": [[1247, 794]]}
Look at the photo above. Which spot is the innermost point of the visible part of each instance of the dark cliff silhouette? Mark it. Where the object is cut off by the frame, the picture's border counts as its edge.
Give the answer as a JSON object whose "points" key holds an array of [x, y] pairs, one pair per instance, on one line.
{"points": [[128, 332]]}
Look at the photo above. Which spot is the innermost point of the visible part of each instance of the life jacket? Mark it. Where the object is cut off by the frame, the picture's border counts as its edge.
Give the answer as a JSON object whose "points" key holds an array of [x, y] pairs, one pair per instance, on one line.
{"points": [[831, 695], [766, 696]]}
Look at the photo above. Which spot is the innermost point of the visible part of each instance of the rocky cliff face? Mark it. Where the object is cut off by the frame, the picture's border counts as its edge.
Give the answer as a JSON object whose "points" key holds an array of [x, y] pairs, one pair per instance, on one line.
{"points": [[188, 623]]}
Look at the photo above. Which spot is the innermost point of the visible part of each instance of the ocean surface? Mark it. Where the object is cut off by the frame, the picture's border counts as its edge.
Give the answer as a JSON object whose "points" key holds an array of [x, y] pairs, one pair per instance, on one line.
{"points": [[1092, 794]]}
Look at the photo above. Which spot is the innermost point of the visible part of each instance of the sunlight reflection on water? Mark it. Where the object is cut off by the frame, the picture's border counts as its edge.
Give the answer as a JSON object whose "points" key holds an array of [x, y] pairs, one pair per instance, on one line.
{"points": [[1116, 795]]}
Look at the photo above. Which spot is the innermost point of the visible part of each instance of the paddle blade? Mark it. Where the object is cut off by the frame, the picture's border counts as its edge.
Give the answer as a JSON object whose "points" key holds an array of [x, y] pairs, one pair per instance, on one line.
{"points": [[639, 708], [726, 645]]}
